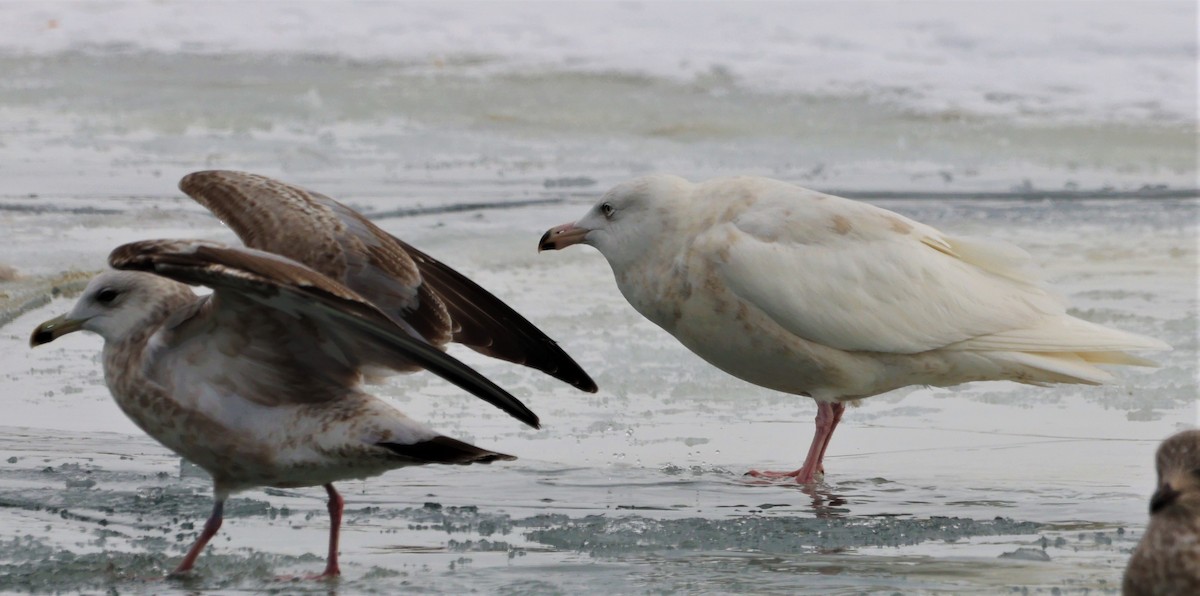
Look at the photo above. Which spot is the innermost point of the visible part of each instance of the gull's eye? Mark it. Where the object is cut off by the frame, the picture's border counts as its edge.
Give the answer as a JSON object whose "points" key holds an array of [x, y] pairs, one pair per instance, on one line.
{"points": [[106, 295], [607, 209]]}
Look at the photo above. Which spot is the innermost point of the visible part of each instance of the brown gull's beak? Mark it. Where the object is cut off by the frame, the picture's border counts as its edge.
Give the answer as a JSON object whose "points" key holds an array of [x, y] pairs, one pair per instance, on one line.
{"points": [[1164, 496], [560, 237], [54, 329]]}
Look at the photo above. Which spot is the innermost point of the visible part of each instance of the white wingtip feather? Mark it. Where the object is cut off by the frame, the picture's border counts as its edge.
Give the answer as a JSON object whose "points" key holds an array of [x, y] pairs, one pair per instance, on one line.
{"points": [[1053, 368], [996, 256], [1063, 334]]}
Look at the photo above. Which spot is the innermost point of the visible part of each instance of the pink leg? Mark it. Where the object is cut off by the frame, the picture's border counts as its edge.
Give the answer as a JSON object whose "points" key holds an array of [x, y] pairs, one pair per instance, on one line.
{"points": [[828, 416], [838, 410], [336, 505], [210, 529]]}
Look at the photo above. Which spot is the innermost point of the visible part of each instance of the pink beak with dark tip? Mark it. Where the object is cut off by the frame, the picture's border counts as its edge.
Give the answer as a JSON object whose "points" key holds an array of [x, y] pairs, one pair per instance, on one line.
{"points": [[560, 237]]}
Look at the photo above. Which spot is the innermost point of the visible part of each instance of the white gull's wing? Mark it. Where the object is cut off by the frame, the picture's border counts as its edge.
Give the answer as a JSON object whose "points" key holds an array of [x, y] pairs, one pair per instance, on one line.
{"points": [[293, 333], [855, 277]]}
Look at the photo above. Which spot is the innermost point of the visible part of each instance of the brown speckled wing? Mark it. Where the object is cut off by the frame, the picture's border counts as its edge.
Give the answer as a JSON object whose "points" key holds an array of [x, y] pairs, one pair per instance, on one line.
{"points": [[252, 287], [412, 288], [325, 235]]}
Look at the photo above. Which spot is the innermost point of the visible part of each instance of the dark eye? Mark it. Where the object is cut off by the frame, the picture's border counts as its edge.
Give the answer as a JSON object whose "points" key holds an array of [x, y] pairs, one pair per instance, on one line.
{"points": [[106, 295], [607, 209]]}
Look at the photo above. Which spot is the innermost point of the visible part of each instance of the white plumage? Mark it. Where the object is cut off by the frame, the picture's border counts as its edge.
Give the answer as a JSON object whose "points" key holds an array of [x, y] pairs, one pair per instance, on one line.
{"points": [[818, 295]]}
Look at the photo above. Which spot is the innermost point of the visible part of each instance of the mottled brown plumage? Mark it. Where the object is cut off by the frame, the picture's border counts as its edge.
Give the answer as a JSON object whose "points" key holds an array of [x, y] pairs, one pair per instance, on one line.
{"points": [[1167, 560], [432, 300], [258, 382]]}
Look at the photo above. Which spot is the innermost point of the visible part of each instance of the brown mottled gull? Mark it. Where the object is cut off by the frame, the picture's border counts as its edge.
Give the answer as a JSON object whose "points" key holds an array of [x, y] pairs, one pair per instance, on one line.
{"points": [[838, 300], [1167, 560], [258, 382]]}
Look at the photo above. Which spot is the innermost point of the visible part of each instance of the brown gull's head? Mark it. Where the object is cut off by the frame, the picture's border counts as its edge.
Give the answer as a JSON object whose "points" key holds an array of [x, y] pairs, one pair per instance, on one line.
{"points": [[1178, 463], [114, 304]]}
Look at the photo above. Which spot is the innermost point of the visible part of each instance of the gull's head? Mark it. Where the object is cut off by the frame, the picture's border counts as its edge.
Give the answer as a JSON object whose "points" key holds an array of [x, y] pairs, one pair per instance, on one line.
{"points": [[627, 220], [114, 304], [1178, 463]]}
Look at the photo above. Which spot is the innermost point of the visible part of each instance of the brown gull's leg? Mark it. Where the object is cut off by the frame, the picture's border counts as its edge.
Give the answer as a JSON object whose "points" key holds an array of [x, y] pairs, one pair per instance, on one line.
{"points": [[210, 529], [336, 505], [828, 415]]}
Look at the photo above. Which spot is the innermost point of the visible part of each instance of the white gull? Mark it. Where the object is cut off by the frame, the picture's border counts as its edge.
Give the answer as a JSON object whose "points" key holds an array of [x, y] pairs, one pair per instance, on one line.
{"points": [[817, 295]]}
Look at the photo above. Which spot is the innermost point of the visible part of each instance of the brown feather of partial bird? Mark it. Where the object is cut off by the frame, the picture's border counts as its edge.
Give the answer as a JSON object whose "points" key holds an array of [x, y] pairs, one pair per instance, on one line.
{"points": [[1167, 559]]}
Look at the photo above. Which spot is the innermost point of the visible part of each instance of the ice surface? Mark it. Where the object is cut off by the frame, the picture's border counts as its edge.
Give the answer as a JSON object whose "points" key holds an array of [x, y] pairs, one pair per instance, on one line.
{"points": [[638, 486], [599, 535]]}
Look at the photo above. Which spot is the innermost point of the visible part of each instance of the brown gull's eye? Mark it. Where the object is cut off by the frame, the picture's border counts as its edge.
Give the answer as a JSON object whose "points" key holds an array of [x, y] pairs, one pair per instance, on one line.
{"points": [[106, 295]]}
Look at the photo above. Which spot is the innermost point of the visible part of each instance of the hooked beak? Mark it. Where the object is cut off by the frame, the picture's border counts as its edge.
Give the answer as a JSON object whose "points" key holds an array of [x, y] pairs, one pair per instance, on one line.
{"points": [[54, 329], [1164, 496], [560, 237]]}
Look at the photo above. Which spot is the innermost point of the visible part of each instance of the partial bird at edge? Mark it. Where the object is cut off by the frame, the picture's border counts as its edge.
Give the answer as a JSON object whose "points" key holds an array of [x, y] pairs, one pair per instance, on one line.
{"points": [[1167, 558]]}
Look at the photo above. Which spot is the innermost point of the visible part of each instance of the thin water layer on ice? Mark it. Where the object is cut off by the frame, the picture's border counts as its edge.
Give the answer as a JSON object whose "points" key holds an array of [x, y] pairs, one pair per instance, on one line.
{"points": [[119, 517], [637, 488]]}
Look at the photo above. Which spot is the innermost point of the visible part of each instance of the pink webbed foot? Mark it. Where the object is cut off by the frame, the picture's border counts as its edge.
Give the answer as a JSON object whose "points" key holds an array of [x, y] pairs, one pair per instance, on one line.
{"points": [[799, 476]]}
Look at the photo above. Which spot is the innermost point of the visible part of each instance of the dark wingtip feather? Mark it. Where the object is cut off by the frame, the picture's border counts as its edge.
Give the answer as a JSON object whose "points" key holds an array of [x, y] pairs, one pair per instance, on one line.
{"points": [[492, 327], [444, 450]]}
